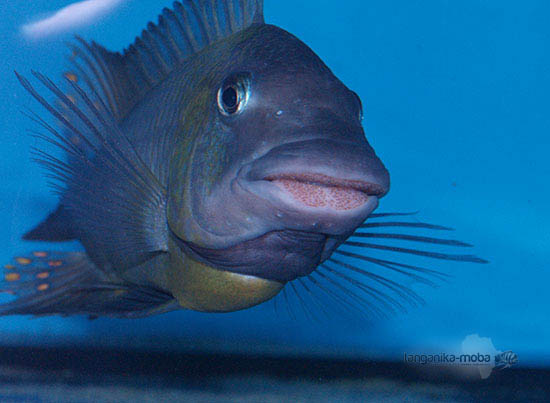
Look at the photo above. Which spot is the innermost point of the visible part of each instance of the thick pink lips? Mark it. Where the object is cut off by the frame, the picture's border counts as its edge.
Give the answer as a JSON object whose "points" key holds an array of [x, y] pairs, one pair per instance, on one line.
{"points": [[317, 190]]}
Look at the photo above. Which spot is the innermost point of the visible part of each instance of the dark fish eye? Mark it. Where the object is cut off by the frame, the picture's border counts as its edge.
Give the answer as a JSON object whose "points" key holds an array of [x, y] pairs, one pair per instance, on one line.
{"points": [[230, 99], [232, 96]]}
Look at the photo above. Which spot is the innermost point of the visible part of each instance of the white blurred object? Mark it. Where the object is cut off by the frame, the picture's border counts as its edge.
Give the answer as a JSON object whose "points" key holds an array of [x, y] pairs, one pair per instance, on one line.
{"points": [[80, 13]]}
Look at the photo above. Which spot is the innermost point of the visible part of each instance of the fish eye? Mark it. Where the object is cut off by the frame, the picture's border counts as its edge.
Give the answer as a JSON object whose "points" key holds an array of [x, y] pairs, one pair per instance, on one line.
{"points": [[233, 95], [230, 99]]}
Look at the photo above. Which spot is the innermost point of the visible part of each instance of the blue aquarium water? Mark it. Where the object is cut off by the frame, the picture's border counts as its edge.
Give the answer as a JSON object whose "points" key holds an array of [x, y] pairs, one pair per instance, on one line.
{"points": [[456, 105]]}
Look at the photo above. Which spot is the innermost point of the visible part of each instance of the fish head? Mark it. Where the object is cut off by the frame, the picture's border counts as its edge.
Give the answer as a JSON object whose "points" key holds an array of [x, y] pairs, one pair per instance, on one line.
{"points": [[273, 170]]}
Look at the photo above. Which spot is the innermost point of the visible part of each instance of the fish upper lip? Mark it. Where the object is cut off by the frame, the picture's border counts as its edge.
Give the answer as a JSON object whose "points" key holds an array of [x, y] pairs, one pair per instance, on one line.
{"points": [[369, 188]]}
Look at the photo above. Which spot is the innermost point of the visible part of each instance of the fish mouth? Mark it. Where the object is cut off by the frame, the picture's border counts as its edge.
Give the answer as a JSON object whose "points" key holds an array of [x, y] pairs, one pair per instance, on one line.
{"points": [[322, 191], [312, 212], [297, 203], [320, 185]]}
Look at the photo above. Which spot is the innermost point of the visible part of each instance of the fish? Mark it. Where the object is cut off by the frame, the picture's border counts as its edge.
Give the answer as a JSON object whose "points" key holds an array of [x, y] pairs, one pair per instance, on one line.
{"points": [[214, 164]]}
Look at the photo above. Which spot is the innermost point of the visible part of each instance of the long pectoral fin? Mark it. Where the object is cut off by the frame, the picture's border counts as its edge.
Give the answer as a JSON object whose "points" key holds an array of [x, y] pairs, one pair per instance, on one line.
{"points": [[57, 283]]}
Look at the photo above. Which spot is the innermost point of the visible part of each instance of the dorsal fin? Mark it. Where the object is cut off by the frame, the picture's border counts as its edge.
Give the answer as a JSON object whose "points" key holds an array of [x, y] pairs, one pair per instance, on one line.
{"points": [[122, 79]]}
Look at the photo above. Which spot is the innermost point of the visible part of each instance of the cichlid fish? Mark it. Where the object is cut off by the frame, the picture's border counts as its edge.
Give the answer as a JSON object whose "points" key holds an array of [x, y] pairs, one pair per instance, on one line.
{"points": [[209, 165]]}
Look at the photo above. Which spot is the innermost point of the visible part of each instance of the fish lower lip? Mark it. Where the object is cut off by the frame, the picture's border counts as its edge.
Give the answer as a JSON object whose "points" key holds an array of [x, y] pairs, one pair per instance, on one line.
{"points": [[318, 190]]}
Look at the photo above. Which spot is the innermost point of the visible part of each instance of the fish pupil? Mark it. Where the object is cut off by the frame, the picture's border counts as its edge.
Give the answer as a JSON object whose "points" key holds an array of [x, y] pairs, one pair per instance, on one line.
{"points": [[230, 98]]}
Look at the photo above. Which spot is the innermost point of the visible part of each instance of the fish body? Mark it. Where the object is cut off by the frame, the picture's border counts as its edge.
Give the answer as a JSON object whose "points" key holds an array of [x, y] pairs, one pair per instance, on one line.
{"points": [[210, 164]]}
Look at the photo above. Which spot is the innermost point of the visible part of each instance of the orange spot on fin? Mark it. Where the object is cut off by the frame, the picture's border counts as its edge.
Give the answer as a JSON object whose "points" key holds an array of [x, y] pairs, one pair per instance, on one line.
{"points": [[55, 263], [71, 77], [43, 287], [43, 275], [23, 260], [9, 267], [12, 276], [40, 254]]}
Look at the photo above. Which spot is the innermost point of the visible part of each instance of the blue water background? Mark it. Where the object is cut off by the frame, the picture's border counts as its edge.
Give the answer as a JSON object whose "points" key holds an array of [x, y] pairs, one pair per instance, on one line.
{"points": [[456, 97]]}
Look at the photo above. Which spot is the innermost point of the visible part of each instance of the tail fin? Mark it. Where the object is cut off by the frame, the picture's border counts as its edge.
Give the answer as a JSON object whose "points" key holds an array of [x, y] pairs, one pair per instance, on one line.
{"points": [[61, 283]]}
